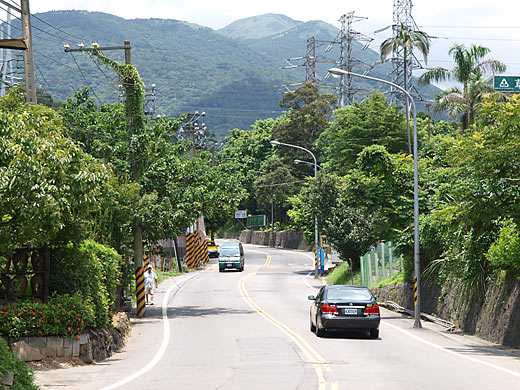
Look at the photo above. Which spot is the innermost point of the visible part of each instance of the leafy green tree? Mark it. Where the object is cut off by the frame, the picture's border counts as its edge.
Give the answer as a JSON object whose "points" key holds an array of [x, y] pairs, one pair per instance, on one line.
{"points": [[318, 196], [476, 187], [307, 119], [274, 186], [49, 186], [408, 40], [245, 152], [372, 121], [470, 71]]}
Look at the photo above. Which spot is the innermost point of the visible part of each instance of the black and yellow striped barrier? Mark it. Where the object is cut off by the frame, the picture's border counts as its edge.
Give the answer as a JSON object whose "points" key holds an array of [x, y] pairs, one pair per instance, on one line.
{"points": [[206, 253], [191, 245], [139, 291], [197, 253]]}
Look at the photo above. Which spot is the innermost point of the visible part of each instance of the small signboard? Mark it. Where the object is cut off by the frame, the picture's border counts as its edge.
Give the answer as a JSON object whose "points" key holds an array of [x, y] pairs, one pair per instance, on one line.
{"points": [[256, 220], [506, 83], [241, 214]]}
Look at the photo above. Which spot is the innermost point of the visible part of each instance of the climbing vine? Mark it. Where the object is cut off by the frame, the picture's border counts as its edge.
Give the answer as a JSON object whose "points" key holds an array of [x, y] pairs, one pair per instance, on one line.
{"points": [[136, 118]]}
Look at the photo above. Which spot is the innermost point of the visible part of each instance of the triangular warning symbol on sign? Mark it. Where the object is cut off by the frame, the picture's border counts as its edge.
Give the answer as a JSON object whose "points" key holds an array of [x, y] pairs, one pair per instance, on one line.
{"points": [[504, 83]]}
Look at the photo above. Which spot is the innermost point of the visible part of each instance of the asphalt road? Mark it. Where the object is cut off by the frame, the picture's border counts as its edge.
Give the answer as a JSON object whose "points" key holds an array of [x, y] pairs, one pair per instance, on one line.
{"points": [[250, 330]]}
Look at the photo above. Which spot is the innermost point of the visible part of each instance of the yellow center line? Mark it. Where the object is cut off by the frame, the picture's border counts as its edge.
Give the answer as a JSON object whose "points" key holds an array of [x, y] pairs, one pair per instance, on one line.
{"points": [[312, 355]]}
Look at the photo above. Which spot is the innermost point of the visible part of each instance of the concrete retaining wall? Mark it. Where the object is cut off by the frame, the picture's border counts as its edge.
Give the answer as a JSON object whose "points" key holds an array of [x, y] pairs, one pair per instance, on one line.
{"points": [[493, 314], [287, 239]]}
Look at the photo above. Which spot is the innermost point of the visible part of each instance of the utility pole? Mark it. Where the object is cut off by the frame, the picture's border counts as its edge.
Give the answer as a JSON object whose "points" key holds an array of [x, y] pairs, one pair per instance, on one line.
{"points": [[30, 81]]}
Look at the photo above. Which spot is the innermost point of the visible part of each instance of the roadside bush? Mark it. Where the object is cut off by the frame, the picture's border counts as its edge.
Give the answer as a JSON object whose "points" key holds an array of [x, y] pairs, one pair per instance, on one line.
{"points": [[90, 269], [23, 376], [504, 253], [65, 315]]}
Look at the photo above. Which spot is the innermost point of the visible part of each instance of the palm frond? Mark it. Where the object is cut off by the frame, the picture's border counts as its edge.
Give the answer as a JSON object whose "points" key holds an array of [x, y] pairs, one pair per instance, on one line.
{"points": [[435, 74]]}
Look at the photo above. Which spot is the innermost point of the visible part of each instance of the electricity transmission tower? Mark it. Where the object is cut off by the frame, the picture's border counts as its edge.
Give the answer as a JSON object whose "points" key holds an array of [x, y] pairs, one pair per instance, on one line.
{"points": [[403, 17], [310, 60], [346, 62]]}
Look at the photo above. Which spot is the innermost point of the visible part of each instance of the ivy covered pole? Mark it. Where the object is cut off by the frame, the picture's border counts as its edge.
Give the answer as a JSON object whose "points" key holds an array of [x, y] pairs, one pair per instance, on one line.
{"points": [[136, 123]]}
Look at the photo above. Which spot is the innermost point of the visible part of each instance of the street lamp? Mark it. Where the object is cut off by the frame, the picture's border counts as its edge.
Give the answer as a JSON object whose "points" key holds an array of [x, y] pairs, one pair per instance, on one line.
{"points": [[277, 143], [307, 162], [417, 266]]}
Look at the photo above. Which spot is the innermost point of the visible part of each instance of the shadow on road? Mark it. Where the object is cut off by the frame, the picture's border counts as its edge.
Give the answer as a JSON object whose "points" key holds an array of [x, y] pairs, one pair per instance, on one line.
{"points": [[347, 334], [483, 350], [193, 311]]}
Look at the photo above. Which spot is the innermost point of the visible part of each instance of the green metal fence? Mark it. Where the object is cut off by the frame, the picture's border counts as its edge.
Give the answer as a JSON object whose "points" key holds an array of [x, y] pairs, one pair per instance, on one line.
{"points": [[379, 264]]}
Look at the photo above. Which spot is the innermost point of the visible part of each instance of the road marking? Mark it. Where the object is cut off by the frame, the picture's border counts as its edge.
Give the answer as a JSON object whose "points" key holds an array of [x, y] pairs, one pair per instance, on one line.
{"points": [[267, 261], [164, 344], [433, 345], [335, 386], [312, 355]]}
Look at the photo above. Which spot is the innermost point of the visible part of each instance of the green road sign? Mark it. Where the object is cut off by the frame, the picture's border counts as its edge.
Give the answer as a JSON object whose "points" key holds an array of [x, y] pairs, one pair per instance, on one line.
{"points": [[255, 220], [506, 83]]}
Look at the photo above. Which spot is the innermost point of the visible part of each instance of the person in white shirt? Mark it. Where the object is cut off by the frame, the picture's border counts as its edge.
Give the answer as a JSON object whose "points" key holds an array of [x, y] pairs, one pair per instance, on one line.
{"points": [[150, 280]]}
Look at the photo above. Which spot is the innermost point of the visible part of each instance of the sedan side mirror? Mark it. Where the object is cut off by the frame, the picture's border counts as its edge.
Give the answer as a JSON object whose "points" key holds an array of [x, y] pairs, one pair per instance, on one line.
{"points": [[311, 298]]}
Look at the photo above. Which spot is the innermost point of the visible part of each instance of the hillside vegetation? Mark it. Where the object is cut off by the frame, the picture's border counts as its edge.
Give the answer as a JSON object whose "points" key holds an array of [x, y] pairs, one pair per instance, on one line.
{"points": [[234, 74]]}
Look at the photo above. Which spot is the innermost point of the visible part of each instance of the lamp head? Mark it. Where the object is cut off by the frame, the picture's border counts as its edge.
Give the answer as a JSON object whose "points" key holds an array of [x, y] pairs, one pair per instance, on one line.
{"points": [[336, 72], [275, 143]]}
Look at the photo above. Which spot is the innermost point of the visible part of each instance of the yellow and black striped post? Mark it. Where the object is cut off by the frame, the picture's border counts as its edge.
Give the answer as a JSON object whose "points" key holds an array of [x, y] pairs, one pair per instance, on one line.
{"points": [[415, 291], [199, 250], [139, 291], [206, 253], [190, 250]]}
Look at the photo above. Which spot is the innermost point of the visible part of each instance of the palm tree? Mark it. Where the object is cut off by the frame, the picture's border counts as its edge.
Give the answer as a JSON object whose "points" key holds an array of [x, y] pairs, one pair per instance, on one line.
{"points": [[408, 40], [469, 70]]}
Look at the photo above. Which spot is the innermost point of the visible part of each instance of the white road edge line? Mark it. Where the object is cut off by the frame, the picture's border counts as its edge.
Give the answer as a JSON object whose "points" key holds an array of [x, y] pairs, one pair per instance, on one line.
{"points": [[433, 345], [164, 344]]}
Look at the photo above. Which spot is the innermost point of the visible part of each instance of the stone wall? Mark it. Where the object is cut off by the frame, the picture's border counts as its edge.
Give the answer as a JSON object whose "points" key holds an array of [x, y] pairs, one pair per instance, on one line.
{"points": [[97, 344], [287, 239], [493, 314]]}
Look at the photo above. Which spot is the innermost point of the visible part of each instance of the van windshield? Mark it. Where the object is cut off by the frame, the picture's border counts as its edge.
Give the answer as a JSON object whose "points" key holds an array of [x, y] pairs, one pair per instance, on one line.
{"points": [[230, 252]]}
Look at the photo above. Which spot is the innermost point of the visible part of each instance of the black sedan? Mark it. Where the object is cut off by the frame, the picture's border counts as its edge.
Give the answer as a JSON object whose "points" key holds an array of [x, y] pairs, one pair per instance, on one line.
{"points": [[343, 307]]}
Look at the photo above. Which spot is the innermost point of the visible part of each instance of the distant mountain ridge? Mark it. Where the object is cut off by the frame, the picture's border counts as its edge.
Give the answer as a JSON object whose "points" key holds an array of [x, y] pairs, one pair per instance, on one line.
{"points": [[234, 74], [259, 26]]}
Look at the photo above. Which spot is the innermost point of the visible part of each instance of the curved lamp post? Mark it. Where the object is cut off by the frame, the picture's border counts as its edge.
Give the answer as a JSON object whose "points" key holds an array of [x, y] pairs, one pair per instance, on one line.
{"points": [[307, 162], [277, 143], [417, 265]]}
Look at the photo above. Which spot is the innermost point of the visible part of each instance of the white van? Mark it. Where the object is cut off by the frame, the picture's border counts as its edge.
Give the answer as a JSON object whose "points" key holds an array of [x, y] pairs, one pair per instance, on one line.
{"points": [[231, 256]]}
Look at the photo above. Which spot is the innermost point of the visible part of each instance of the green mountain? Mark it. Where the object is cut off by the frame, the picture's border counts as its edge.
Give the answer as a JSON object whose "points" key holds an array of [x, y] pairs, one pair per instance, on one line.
{"points": [[235, 74], [258, 26]]}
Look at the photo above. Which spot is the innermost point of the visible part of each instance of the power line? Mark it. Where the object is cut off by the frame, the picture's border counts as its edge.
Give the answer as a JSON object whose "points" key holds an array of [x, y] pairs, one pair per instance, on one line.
{"points": [[56, 61], [48, 85], [88, 83], [101, 70], [56, 28], [61, 40]]}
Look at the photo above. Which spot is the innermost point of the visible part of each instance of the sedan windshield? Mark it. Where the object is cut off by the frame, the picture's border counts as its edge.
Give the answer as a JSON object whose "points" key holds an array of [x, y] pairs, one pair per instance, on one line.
{"points": [[230, 252], [348, 294]]}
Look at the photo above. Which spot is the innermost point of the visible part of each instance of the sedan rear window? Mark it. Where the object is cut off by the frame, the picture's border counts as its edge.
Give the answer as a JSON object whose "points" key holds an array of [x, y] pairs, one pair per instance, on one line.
{"points": [[348, 294]]}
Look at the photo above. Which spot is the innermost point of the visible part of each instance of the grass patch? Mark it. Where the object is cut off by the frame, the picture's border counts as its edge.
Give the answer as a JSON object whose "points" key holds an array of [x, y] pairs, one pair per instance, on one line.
{"points": [[343, 275], [165, 275], [392, 280]]}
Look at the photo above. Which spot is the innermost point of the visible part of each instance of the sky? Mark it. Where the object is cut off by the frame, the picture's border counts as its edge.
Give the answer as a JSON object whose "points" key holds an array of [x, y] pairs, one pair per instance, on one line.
{"points": [[493, 24]]}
